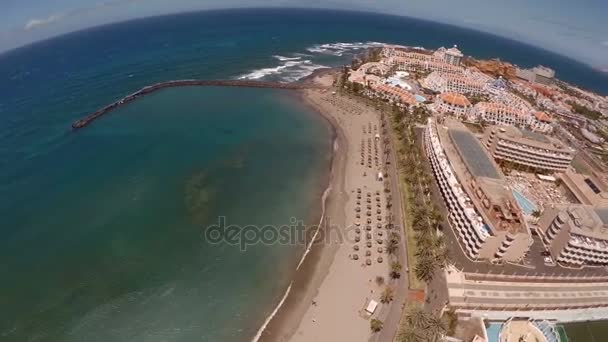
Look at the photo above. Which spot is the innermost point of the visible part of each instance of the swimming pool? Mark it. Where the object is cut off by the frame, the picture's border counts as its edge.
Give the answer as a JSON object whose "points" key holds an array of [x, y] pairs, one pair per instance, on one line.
{"points": [[420, 98], [525, 204], [493, 331]]}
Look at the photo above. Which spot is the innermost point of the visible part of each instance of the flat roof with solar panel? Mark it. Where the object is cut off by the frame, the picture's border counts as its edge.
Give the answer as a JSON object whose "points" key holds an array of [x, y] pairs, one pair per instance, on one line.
{"points": [[472, 152]]}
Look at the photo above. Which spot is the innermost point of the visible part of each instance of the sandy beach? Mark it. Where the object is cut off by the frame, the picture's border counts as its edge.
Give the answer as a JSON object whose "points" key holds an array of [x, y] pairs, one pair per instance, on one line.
{"points": [[334, 285]]}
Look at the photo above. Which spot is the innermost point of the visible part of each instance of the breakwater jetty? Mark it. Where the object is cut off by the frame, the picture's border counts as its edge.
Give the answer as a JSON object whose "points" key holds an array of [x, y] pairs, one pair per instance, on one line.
{"points": [[183, 83]]}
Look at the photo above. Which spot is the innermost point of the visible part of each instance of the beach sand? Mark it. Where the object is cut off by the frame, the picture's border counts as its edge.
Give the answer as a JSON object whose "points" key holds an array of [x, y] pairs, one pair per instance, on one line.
{"points": [[331, 290]]}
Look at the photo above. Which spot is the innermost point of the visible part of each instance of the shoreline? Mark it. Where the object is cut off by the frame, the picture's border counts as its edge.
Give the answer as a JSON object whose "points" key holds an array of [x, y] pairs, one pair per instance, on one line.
{"points": [[314, 264], [332, 285]]}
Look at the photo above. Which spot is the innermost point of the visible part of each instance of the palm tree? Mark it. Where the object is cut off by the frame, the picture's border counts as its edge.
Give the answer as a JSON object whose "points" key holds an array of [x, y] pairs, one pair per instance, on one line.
{"points": [[417, 318], [443, 257], [436, 328], [409, 334], [395, 270], [375, 325], [391, 246], [387, 295], [425, 268]]}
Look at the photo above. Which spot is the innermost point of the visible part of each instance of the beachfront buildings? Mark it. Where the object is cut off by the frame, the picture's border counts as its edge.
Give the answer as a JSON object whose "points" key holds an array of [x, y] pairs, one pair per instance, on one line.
{"points": [[410, 59], [481, 209], [576, 234], [527, 149], [538, 74], [462, 84], [394, 94], [452, 103], [498, 114], [541, 122], [451, 56], [585, 189]]}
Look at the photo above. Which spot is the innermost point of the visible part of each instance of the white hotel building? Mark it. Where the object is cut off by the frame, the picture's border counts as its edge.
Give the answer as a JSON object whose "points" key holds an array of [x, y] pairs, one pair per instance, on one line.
{"points": [[452, 103], [527, 149], [499, 114], [576, 234], [453, 83], [407, 59], [481, 212]]}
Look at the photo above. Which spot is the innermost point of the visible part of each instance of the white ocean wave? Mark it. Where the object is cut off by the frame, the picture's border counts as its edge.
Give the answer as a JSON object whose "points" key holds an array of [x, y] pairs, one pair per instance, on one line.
{"points": [[283, 58], [298, 65], [288, 71]]}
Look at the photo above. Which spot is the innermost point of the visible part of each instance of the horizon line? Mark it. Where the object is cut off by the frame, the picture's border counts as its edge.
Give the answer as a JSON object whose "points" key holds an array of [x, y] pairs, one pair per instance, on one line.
{"points": [[602, 70]]}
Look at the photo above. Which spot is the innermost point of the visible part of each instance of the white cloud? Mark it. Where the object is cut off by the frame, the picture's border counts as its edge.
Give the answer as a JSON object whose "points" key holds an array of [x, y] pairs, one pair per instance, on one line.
{"points": [[605, 43], [34, 23]]}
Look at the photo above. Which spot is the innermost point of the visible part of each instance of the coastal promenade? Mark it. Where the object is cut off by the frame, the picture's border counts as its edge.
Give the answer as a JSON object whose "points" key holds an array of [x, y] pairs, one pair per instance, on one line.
{"points": [[184, 83]]}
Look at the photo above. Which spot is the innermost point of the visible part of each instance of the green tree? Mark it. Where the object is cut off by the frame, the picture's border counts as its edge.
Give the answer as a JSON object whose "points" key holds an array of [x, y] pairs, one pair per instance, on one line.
{"points": [[436, 329], [376, 325], [426, 266], [387, 295], [395, 269]]}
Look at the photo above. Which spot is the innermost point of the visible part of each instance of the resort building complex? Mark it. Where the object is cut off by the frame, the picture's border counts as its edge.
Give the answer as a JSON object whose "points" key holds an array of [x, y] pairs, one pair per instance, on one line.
{"points": [[452, 103], [408, 59], [527, 149], [585, 189], [498, 114], [538, 74], [461, 84], [481, 208], [394, 94], [576, 234]]}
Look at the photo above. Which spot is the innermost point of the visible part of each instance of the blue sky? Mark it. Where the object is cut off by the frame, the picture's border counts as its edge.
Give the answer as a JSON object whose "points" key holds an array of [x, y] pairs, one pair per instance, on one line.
{"points": [[575, 28]]}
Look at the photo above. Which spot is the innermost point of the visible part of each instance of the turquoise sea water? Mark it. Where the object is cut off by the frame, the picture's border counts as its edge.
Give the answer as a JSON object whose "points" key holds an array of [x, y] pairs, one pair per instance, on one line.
{"points": [[101, 228]]}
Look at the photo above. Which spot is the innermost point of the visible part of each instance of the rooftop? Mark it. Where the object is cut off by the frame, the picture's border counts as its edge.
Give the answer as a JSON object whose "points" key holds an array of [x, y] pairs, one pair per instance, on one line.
{"points": [[480, 178], [587, 189], [493, 107], [542, 116], [455, 99], [530, 138], [472, 152], [602, 213], [585, 221]]}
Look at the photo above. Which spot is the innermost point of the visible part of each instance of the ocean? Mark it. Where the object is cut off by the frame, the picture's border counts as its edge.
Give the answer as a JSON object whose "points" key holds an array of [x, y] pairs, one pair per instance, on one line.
{"points": [[103, 228]]}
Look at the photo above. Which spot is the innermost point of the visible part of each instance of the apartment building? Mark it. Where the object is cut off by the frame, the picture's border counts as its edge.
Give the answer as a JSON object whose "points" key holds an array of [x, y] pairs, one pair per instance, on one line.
{"points": [[452, 103], [498, 114], [394, 94], [451, 56], [541, 122], [538, 74], [586, 189], [481, 209], [576, 234], [454, 83], [405, 59], [527, 149]]}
